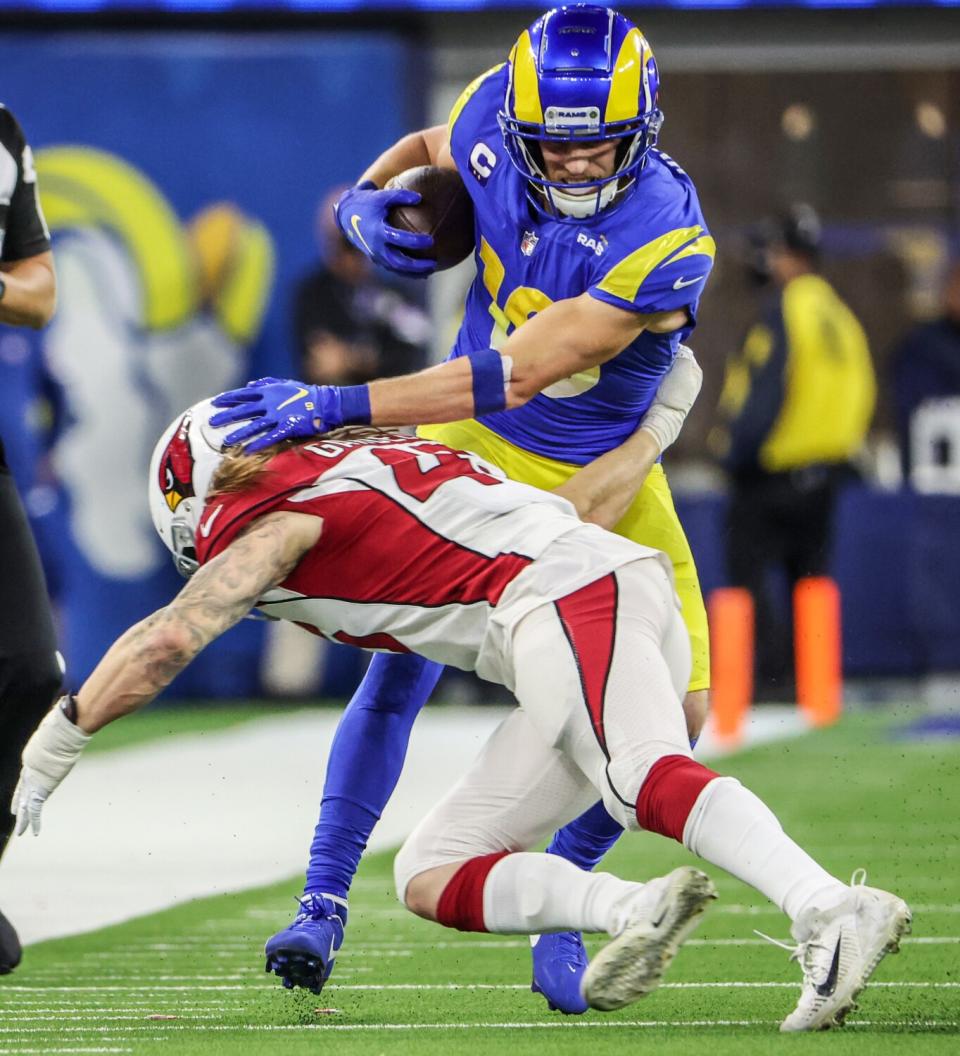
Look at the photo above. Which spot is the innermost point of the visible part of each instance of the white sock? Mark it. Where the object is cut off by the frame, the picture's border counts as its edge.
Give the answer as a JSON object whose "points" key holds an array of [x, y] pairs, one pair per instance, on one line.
{"points": [[528, 893], [730, 827]]}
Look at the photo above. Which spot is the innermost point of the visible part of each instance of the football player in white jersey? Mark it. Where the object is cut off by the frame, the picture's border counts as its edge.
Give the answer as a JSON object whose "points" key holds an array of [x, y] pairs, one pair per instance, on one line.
{"points": [[403, 544]]}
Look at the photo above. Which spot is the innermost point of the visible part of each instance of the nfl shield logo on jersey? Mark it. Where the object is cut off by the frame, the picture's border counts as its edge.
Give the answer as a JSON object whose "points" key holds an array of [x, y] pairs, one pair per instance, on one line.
{"points": [[528, 243]]}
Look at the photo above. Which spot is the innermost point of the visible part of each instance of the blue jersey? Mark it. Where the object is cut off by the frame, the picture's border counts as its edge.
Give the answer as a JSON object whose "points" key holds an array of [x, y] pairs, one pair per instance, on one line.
{"points": [[652, 253]]}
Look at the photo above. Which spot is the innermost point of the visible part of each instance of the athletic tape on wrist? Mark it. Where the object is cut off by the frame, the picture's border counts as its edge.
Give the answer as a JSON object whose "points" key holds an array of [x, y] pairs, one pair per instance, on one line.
{"points": [[68, 705], [490, 377]]}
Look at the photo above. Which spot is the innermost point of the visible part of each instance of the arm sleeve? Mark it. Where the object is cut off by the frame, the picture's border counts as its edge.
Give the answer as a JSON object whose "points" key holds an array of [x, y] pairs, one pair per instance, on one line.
{"points": [[667, 273], [26, 232]]}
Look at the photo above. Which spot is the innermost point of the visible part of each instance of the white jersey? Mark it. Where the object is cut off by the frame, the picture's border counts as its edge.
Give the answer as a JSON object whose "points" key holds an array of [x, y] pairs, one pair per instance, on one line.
{"points": [[424, 549]]}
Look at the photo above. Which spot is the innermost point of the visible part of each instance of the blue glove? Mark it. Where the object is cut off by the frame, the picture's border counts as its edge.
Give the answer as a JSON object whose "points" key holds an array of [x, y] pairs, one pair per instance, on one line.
{"points": [[276, 409], [361, 215]]}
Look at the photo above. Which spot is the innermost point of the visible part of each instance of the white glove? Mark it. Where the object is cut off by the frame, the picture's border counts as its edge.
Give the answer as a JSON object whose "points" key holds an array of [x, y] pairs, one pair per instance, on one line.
{"points": [[49, 756], [677, 393]]}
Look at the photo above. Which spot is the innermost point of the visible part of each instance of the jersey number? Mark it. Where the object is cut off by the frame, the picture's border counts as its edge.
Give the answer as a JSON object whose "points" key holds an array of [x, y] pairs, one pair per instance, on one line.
{"points": [[520, 305], [419, 483]]}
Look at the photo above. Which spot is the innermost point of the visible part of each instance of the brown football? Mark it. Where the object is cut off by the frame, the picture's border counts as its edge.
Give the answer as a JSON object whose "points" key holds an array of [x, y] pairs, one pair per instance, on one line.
{"points": [[445, 212]]}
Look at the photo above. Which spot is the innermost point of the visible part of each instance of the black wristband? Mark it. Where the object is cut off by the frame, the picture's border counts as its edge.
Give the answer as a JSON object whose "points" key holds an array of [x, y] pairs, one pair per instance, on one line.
{"points": [[68, 705], [3, 287]]}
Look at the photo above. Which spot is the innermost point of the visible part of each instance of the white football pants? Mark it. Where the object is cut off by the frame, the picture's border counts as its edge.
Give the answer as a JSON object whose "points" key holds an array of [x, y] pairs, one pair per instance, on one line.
{"points": [[600, 677]]}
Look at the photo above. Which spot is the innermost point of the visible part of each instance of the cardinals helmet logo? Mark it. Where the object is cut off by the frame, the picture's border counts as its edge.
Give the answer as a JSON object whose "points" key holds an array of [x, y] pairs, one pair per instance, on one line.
{"points": [[176, 466]]}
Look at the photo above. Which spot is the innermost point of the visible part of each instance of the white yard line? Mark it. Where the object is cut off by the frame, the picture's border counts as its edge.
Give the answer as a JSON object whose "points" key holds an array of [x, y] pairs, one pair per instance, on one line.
{"points": [[100, 1017], [663, 986], [27, 1010], [159, 990], [140, 829], [590, 1024]]}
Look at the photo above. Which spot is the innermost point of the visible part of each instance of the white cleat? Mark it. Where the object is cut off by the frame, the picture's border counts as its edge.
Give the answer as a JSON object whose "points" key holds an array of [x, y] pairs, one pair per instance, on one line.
{"points": [[839, 949], [657, 922]]}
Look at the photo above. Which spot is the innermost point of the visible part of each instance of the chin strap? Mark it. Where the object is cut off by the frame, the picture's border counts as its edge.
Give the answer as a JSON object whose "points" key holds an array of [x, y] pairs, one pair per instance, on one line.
{"points": [[582, 206]]}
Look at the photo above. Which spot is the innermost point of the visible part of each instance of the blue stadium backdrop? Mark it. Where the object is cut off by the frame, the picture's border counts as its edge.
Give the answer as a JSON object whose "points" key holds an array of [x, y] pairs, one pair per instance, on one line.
{"points": [[180, 178]]}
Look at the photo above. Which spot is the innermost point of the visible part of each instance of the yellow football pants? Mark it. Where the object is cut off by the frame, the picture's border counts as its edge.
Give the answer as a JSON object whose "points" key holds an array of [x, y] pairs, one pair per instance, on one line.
{"points": [[651, 519]]}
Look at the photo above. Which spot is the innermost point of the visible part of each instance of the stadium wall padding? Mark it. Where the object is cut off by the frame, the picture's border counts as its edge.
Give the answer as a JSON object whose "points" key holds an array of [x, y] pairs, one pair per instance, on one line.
{"points": [[181, 175]]}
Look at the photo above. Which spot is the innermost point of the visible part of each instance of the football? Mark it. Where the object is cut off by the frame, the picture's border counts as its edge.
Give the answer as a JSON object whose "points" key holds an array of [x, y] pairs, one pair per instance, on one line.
{"points": [[445, 212]]}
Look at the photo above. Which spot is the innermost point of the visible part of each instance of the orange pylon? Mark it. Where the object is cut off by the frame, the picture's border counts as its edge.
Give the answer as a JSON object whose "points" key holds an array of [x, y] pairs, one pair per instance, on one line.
{"points": [[817, 649], [731, 661]]}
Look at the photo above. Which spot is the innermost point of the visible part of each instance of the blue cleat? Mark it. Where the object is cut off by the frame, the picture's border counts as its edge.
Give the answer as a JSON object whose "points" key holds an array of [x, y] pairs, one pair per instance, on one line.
{"points": [[559, 961], [303, 954]]}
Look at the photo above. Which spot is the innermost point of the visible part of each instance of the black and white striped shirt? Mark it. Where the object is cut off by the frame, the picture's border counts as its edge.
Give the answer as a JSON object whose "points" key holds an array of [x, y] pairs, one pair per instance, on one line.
{"points": [[23, 230]]}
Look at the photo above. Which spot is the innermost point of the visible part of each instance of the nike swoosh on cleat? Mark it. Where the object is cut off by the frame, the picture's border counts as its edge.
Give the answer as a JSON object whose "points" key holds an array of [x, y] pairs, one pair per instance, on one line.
{"points": [[827, 987], [355, 225], [681, 282], [299, 394]]}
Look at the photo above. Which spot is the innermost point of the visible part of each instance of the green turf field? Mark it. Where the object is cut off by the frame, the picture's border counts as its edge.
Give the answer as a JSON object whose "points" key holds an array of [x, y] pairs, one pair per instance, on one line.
{"points": [[173, 720], [190, 980]]}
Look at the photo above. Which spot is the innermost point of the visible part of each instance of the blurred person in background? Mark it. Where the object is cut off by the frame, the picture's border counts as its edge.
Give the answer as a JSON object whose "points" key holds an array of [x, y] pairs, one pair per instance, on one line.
{"points": [[926, 365], [794, 410], [30, 671], [350, 326]]}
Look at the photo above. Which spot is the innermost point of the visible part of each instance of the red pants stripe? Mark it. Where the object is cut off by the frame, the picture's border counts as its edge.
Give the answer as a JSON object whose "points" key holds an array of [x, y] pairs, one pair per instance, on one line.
{"points": [[589, 620]]}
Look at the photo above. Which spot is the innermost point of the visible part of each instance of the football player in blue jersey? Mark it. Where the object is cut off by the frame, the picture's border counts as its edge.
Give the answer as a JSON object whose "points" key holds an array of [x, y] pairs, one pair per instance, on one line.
{"points": [[592, 254]]}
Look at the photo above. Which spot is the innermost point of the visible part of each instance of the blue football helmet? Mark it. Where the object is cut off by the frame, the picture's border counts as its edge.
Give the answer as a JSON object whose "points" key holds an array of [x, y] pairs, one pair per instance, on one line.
{"points": [[580, 73]]}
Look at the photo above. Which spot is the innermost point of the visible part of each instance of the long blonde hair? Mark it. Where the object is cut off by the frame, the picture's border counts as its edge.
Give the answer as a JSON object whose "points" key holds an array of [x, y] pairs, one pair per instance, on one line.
{"points": [[239, 470]]}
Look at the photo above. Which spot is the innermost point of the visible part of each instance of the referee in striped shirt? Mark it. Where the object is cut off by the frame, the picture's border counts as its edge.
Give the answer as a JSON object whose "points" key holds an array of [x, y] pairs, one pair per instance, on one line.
{"points": [[29, 668]]}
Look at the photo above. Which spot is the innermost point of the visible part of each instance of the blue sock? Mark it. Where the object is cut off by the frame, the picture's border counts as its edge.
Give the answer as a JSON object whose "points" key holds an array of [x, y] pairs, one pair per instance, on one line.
{"points": [[366, 758], [585, 840]]}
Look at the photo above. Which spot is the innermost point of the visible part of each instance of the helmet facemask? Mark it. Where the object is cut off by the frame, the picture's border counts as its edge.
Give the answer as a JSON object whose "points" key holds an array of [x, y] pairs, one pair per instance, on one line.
{"points": [[184, 547], [579, 201], [580, 74]]}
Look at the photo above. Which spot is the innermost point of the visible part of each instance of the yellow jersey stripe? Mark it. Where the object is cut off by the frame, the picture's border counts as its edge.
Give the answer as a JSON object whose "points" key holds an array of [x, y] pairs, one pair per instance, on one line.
{"points": [[468, 92], [703, 246], [624, 279]]}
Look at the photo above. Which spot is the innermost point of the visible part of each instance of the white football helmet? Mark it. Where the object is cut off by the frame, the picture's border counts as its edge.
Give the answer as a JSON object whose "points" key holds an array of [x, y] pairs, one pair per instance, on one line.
{"points": [[181, 468]]}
